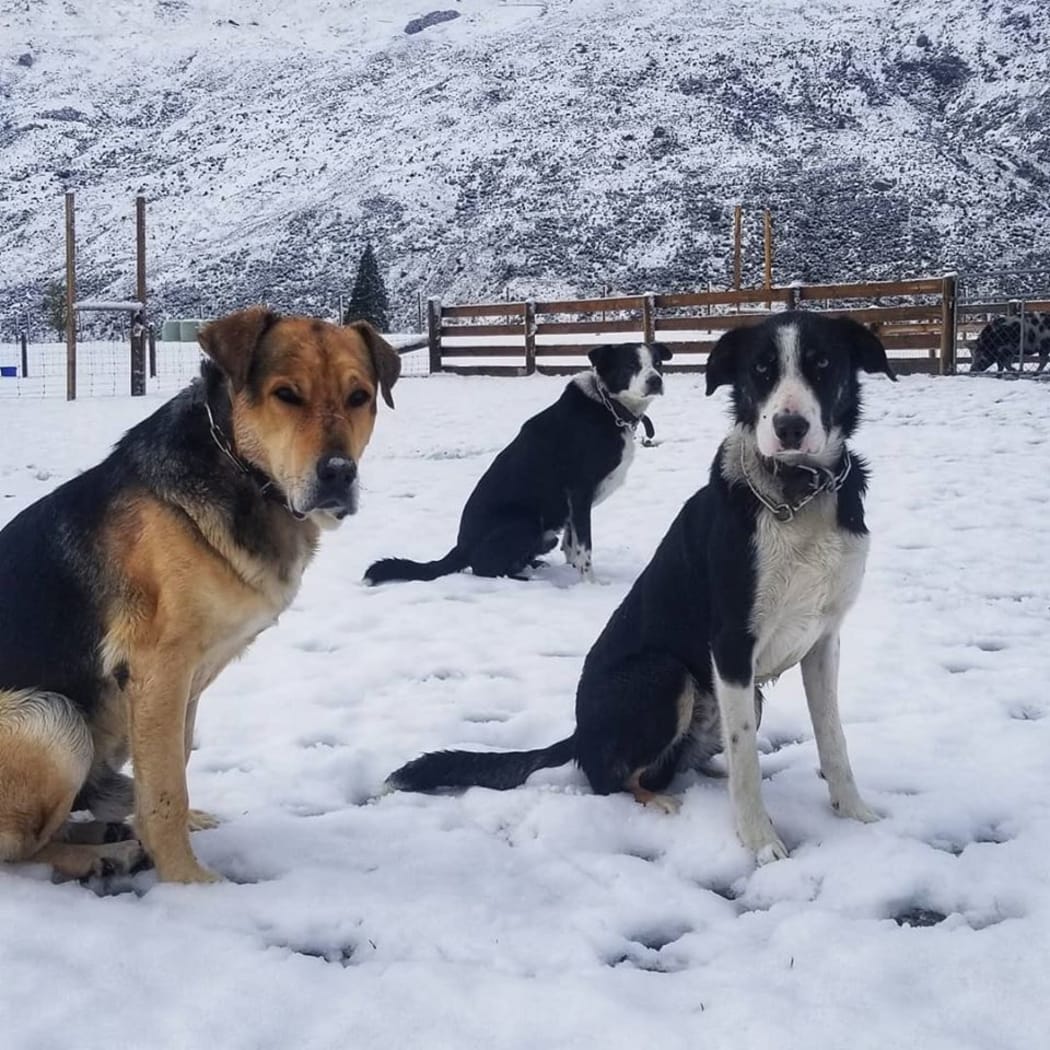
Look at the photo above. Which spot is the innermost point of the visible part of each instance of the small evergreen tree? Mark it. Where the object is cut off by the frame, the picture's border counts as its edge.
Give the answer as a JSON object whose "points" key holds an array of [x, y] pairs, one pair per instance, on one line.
{"points": [[55, 306], [368, 301]]}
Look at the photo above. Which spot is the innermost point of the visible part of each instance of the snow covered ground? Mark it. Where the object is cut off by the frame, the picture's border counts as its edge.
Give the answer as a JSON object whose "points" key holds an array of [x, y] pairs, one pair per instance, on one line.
{"points": [[547, 917]]}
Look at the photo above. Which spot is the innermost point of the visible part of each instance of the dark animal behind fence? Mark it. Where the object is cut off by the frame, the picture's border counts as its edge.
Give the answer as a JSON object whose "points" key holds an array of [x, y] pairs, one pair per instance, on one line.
{"points": [[1006, 341]]}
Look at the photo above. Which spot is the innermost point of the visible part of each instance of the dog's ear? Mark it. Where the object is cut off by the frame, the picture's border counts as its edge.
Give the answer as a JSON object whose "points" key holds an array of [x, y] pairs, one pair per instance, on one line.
{"points": [[662, 351], [724, 360], [599, 356], [385, 359], [865, 347], [232, 340]]}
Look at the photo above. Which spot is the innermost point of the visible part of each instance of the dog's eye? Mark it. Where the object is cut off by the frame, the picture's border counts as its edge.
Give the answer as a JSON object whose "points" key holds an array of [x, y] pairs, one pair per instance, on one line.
{"points": [[358, 398], [822, 361], [761, 367], [287, 395]]}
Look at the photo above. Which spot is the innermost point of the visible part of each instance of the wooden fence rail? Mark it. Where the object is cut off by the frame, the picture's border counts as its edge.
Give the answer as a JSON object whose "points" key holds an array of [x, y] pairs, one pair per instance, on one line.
{"points": [[916, 320]]}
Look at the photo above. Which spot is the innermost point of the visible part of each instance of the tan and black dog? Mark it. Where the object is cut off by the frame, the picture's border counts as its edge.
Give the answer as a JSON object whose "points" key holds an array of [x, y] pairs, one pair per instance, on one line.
{"points": [[127, 590]]}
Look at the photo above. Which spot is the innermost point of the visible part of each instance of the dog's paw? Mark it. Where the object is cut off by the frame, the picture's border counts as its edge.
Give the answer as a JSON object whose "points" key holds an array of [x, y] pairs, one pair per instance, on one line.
{"points": [[665, 803], [201, 820], [188, 873], [855, 808], [770, 852], [759, 837], [119, 858]]}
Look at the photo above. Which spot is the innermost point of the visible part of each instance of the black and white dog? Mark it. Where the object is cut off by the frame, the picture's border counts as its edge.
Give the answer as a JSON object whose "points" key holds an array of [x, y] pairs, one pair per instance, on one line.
{"points": [[999, 342], [564, 461], [754, 576]]}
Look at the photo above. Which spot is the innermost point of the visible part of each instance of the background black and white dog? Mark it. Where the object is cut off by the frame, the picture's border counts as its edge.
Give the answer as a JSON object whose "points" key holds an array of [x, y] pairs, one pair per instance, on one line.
{"points": [[564, 460], [999, 343], [754, 576]]}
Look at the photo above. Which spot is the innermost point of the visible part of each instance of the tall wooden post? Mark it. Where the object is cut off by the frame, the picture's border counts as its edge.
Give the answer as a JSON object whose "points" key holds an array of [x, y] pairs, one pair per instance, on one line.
{"points": [[138, 320], [767, 224], [530, 337], [434, 333], [649, 318], [949, 325], [71, 298], [140, 249], [24, 339], [737, 245]]}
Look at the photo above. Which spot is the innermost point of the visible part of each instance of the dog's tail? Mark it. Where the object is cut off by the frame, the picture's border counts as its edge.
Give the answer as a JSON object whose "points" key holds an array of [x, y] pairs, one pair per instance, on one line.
{"points": [[403, 569], [498, 770]]}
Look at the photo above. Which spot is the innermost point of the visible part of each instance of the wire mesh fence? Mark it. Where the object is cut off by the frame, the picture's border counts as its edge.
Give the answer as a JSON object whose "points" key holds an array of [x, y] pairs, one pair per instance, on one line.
{"points": [[1003, 324], [33, 354], [103, 367]]}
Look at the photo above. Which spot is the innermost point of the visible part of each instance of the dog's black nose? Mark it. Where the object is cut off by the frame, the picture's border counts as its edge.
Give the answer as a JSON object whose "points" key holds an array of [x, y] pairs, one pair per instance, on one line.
{"points": [[336, 472], [654, 385], [790, 428]]}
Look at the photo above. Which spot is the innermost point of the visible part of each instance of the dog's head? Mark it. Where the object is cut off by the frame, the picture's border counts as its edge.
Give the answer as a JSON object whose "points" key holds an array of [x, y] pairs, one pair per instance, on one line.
{"points": [[303, 397], [794, 381], [631, 372]]}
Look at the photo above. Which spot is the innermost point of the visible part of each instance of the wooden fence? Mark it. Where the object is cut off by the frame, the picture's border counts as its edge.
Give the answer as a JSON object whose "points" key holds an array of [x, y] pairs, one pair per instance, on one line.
{"points": [[916, 320]]}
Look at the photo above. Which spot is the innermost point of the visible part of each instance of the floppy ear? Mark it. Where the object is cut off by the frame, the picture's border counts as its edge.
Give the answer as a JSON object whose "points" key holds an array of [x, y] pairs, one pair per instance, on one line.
{"points": [[724, 359], [385, 359], [599, 356], [232, 340], [865, 348], [662, 351]]}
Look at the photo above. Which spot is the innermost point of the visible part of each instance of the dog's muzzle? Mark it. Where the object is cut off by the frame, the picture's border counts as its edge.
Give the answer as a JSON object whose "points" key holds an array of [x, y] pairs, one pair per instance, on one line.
{"points": [[336, 489], [791, 429]]}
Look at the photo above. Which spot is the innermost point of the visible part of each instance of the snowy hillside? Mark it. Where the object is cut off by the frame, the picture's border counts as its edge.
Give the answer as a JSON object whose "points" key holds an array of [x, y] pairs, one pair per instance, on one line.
{"points": [[529, 148], [548, 918]]}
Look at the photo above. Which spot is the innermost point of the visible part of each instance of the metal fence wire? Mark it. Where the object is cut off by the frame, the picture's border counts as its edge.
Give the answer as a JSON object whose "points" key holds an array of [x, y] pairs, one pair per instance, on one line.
{"points": [[1004, 324]]}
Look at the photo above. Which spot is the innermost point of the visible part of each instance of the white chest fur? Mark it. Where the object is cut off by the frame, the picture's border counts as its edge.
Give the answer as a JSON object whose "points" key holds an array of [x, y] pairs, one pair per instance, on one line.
{"points": [[809, 573], [611, 482]]}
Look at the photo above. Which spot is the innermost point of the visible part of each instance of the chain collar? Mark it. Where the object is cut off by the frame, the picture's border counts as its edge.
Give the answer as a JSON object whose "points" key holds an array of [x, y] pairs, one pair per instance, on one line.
{"points": [[623, 417], [822, 481], [263, 482]]}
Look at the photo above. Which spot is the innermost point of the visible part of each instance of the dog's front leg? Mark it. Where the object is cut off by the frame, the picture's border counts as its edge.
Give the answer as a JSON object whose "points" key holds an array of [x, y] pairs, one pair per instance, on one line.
{"points": [[158, 709], [820, 675], [735, 690], [197, 819], [578, 553]]}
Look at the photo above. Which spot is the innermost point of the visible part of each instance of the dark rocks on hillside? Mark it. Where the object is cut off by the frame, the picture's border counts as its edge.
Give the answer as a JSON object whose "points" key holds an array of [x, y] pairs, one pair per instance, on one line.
{"points": [[65, 113], [25, 60], [417, 25], [939, 73]]}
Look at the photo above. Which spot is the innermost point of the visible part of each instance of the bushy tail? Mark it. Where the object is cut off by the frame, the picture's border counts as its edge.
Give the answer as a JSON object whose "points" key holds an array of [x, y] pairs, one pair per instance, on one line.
{"points": [[499, 770], [388, 569]]}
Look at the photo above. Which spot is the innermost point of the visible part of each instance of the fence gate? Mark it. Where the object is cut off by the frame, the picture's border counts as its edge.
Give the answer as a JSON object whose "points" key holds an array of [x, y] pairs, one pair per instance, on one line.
{"points": [[1004, 324]]}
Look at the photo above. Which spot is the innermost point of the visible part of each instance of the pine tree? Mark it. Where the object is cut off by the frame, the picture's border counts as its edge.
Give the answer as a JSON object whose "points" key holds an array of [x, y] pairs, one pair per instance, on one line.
{"points": [[55, 306], [369, 302]]}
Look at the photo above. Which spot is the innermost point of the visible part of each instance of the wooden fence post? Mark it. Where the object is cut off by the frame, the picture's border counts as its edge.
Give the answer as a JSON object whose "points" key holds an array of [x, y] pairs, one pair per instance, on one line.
{"points": [[949, 324], [152, 336], [649, 318], [792, 297], [530, 336], [71, 298], [737, 247], [767, 224], [434, 333], [25, 353]]}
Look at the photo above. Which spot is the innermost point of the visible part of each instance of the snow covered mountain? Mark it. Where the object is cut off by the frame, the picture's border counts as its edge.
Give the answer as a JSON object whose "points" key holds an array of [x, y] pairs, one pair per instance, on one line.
{"points": [[519, 148]]}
